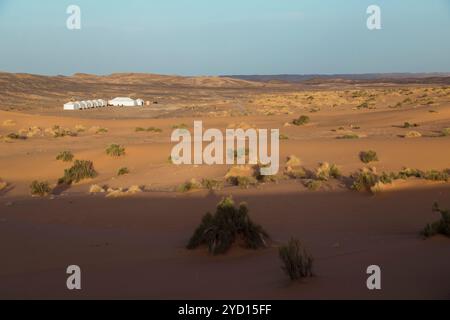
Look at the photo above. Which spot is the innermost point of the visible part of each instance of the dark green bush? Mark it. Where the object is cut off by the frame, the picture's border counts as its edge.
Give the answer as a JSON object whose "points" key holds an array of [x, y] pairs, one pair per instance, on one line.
{"points": [[123, 171], [368, 156], [302, 120], [65, 156], [115, 150], [439, 227], [40, 189], [81, 169], [228, 225]]}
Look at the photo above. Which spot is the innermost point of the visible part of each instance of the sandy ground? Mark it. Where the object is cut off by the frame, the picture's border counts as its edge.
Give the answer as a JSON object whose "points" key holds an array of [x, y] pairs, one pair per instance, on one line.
{"points": [[133, 247]]}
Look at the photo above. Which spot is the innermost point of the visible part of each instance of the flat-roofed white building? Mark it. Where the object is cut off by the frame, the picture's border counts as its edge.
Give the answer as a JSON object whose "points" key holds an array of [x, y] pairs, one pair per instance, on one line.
{"points": [[123, 102], [72, 106]]}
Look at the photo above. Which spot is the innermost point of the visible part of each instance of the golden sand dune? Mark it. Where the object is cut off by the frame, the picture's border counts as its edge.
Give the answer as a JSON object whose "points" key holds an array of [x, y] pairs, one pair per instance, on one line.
{"points": [[139, 219]]}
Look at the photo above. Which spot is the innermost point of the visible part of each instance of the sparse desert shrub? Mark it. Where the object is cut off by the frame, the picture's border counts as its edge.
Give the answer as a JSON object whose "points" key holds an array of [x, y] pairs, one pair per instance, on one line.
{"points": [[96, 189], [228, 225], [296, 172], [348, 136], [368, 156], [102, 130], [115, 150], [81, 169], [413, 134], [149, 129], [284, 137], [189, 186], [312, 184], [297, 262], [58, 132], [408, 125], [211, 184], [3, 185], [123, 171], [294, 168], [243, 182], [445, 132], [302, 120], [365, 180], [40, 189], [439, 227], [242, 175], [435, 175], [363, 105], [408, 173], [327, 171], [180, 126], [65, 156], [16, 136]]}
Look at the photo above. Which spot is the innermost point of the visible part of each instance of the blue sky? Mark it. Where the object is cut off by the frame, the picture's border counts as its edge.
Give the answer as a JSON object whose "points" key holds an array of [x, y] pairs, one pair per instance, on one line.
{"points": [[214, 37]]}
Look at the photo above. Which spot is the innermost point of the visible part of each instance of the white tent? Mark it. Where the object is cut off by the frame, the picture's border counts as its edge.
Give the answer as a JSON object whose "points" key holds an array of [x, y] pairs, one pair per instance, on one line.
{"points": [[123, 102], [89, 104], [83, 105], [95, 103], [72, 106], [140, 102], [101, 103]]}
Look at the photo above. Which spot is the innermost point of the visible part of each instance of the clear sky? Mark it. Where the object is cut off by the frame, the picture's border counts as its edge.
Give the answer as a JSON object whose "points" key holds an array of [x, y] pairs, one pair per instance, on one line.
{"points": [[215, 37]]}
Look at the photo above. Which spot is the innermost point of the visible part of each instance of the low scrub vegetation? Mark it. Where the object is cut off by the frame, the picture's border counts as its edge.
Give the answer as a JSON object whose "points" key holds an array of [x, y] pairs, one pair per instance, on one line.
{"points": [[16, 136], [149, 129], [312, 184], [441, 226], [445, 132], [58, 132], [348, 136], [211, 184], [115, 150], [325, 171], [297, 262], [302, 120], [368, 156], [367, 179], [229, 224], [180, 126], [123, 171], [189, 186], [65, 156], [40, 189], [81, 169], [408, 125]]}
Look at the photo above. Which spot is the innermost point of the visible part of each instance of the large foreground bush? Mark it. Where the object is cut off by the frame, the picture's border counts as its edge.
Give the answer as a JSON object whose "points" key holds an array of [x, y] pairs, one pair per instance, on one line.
{"points": [[229, 224]]}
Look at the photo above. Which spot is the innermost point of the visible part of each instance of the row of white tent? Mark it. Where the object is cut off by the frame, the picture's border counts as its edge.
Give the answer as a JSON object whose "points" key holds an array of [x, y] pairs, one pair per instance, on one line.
{"points": [[89, 104], [117, 102]]}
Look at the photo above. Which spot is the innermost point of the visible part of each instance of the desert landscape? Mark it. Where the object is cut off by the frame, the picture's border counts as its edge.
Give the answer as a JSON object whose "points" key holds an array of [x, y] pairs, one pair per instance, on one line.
{"points": [[364, 168]]}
